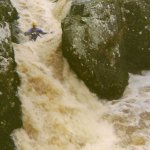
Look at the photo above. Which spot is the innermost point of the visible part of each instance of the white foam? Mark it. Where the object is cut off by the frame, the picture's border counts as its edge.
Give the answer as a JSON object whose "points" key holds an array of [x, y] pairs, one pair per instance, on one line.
{"points": [[59, 112]]}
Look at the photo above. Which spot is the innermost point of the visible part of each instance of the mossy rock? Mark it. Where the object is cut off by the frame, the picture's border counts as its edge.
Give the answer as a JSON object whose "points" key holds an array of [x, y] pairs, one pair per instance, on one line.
{"points": [[92, 43]]}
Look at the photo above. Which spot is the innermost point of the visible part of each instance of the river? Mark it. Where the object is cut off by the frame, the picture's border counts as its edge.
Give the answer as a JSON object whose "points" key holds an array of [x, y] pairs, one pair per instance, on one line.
{"points": [[59, 112]]}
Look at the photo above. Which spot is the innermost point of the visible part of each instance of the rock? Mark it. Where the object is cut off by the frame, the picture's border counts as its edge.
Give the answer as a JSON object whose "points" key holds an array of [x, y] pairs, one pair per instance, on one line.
{"points": [[92, 43], [136, 14], [10, 111], [6, 143], [9, 14]]}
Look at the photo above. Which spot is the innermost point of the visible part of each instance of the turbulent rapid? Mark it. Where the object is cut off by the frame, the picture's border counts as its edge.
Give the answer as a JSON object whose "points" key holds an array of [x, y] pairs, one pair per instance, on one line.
{"points": [[59, 112]]}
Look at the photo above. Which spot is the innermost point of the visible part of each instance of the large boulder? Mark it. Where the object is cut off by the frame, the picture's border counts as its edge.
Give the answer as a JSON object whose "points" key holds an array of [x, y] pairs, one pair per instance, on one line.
{"points": [[92, 43], [10, 112], [136, 14]]}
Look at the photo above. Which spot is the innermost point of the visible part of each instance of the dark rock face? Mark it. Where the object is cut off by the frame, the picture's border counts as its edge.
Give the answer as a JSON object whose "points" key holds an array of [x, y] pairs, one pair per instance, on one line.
{"points": [[10, 112], [137, 35], [9, 14], [92, 43]]}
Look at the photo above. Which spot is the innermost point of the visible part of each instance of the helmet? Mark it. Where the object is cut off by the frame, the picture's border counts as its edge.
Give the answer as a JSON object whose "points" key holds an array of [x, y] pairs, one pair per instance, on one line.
{"points": [[34, 24]]}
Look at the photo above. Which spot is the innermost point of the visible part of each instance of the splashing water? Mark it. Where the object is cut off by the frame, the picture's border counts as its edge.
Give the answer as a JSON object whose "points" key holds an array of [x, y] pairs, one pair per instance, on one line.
{"points": [[59, 112], [131, 116]]}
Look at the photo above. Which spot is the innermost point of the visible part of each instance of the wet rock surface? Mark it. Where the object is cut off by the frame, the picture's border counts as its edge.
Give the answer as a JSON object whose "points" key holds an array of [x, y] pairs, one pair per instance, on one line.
{"points": [[10, 111], [104, 40], [93, 45], [137, 35]]}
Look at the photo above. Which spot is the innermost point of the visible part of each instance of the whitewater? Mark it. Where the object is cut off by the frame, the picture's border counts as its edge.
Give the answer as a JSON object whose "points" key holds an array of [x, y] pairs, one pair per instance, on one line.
{"points": [[58, 110]]}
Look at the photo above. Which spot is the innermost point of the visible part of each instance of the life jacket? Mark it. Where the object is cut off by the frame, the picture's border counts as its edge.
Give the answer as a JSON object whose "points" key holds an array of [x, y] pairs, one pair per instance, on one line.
{"points": [[35, 32]]}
